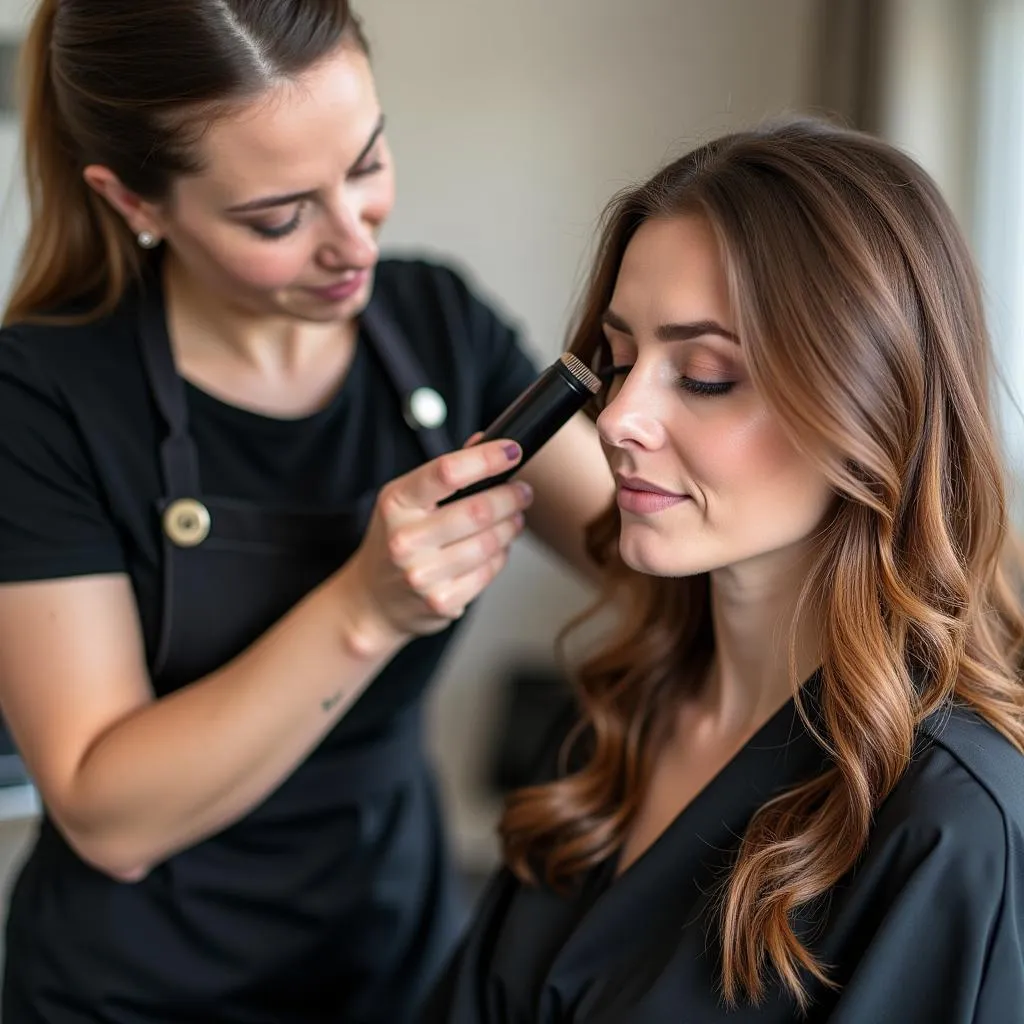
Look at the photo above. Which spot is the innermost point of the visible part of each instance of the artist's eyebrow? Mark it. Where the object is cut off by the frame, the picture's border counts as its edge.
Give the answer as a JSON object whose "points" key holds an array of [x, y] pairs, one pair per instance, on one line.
{"points": [[270, 202], [672, 332]]}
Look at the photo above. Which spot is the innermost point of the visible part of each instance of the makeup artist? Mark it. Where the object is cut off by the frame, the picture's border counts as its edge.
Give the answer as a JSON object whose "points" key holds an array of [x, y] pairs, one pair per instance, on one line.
{"points": [[224, 581]]}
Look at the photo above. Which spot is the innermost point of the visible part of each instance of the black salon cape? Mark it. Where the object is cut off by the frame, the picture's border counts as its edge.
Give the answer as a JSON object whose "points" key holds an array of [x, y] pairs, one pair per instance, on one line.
{"points": [[928, 929]]}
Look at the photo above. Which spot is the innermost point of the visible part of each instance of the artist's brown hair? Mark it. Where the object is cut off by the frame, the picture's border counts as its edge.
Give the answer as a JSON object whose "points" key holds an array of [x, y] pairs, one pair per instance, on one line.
{"points": [[130, 84], [860, 315]]}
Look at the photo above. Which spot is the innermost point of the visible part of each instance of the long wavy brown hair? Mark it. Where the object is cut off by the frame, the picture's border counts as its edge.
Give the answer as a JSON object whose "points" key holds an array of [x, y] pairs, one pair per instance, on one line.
{"points": [[861, 319]]}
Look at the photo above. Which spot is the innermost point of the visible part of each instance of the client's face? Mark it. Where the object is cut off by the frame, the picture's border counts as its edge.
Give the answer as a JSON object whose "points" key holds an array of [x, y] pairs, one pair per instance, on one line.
{"points": [[706, 475]]}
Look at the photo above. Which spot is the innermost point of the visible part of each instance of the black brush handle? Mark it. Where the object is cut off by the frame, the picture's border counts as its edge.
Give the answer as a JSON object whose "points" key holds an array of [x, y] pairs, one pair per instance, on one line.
{"points": [[532, 420]]}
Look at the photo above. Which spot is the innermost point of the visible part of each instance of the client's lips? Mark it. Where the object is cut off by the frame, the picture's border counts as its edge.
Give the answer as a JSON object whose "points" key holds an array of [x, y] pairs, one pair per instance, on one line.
{"points": [[644, 498]]}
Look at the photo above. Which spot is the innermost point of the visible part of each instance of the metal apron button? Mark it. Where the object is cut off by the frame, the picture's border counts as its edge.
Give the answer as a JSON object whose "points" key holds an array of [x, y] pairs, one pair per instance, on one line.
{"points": [[187, 522], [425, 408]]}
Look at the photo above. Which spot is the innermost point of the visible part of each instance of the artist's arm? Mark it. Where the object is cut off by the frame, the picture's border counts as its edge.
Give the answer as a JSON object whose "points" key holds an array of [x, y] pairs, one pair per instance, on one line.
{"points": [[130, 778], [572, 485]]}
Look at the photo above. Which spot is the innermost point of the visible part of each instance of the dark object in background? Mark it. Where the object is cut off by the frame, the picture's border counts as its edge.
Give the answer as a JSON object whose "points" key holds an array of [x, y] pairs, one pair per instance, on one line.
{"points": [[534, 701], [10, 51]]}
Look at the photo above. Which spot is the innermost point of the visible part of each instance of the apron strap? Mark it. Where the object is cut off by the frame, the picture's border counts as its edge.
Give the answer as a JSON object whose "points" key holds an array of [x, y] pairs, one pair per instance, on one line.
{"points": [[178, 457], [406, 372]]}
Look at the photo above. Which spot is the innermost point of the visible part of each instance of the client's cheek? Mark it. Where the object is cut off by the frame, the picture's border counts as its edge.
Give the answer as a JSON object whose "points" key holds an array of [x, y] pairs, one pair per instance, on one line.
{"points": [[756, 443]]}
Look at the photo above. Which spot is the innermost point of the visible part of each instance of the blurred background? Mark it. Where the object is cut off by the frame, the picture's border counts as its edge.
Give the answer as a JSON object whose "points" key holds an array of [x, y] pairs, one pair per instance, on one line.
{"points": [[513, 123]]}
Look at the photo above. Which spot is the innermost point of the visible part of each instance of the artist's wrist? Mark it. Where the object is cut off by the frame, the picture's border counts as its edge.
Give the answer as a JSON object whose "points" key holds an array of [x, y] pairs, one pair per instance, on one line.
{"points": [[366, 634]]}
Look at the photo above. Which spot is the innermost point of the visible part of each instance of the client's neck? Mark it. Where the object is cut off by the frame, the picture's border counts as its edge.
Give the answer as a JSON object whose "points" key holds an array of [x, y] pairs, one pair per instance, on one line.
{"points": [[753, 608]]}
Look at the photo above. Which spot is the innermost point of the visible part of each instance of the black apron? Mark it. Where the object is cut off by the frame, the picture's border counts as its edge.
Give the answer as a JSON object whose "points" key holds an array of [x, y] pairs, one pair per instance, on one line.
{"points": [[334, 900]]}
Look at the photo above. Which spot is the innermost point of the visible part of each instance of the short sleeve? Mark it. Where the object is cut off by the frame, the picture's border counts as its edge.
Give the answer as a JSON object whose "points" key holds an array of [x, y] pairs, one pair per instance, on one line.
{"points": [[53, 521], [506, 368]]}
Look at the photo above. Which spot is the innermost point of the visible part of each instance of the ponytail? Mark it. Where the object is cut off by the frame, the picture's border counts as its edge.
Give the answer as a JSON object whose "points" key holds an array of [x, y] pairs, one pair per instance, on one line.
{"points": [[77, 247], [101, 84]]}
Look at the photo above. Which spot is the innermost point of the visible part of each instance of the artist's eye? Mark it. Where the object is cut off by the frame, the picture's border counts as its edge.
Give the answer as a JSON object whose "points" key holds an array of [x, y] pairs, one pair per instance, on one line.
{"points": [[274, 231]]}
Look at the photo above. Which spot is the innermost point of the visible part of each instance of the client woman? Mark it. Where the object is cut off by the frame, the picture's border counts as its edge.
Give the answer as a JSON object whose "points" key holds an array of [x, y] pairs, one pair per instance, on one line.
{"points": [[795, 789]]}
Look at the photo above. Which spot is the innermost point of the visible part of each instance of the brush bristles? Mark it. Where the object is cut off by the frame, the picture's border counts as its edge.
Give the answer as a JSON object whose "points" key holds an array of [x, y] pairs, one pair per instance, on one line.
{"points": [[581, 372]]}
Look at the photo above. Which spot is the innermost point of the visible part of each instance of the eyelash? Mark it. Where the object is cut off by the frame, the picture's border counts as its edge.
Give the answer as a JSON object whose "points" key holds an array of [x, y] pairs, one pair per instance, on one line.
{"points": [[704, 388], [272, 234]]}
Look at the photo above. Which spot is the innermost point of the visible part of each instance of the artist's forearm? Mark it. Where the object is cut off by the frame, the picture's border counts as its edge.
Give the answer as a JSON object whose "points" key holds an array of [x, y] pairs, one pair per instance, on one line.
{"points": [[188, 765], [572, 486]]}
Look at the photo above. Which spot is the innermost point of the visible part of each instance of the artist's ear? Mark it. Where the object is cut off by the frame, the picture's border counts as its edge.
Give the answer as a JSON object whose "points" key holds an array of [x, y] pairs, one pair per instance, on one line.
{"points": [[138, 214]]}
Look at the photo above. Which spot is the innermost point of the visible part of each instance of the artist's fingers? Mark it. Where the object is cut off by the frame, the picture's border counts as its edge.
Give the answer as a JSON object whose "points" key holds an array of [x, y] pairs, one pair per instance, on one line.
{"points": [[428, 539], [420, 490], [465, 556]]}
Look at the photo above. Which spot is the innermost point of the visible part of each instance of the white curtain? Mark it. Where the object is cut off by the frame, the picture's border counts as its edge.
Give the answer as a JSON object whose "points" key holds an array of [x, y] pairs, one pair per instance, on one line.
{"points": [[944, 79], [999, 208]]}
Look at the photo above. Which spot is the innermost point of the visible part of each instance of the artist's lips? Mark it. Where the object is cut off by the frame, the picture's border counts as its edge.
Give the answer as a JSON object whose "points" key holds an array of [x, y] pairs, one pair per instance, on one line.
{"points": [[342, 289], [644, 498]]}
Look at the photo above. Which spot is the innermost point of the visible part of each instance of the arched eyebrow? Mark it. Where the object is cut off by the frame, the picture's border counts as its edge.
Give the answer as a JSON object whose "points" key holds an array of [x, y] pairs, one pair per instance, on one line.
{"points": [[673, 332]]}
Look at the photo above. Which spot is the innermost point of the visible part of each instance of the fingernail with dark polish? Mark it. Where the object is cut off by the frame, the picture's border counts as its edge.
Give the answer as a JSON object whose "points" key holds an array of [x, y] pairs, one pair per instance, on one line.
{"points": [[512, 452]]}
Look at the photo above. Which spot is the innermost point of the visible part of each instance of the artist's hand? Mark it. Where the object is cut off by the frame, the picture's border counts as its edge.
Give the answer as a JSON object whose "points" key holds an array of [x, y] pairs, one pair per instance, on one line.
{"points": [[419, 565]]}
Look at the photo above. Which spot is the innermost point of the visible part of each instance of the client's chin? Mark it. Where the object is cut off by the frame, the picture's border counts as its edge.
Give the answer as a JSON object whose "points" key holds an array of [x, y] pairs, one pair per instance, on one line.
{"points": [[656, 556]]}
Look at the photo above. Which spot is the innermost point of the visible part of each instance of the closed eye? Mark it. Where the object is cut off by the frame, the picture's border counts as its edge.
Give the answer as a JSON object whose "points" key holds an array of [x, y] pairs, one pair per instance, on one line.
{"points": [[367, 169], [692, 384], [705, 387], [273, 231]]}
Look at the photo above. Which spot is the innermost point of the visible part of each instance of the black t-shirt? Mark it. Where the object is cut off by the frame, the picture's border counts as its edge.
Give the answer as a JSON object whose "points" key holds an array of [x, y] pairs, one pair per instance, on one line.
{"points": [[80, 433]]}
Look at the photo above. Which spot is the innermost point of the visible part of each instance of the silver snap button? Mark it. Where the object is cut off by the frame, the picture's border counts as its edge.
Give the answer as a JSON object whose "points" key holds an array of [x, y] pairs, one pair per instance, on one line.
{"points": [[187, 522], [426, 408]]}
